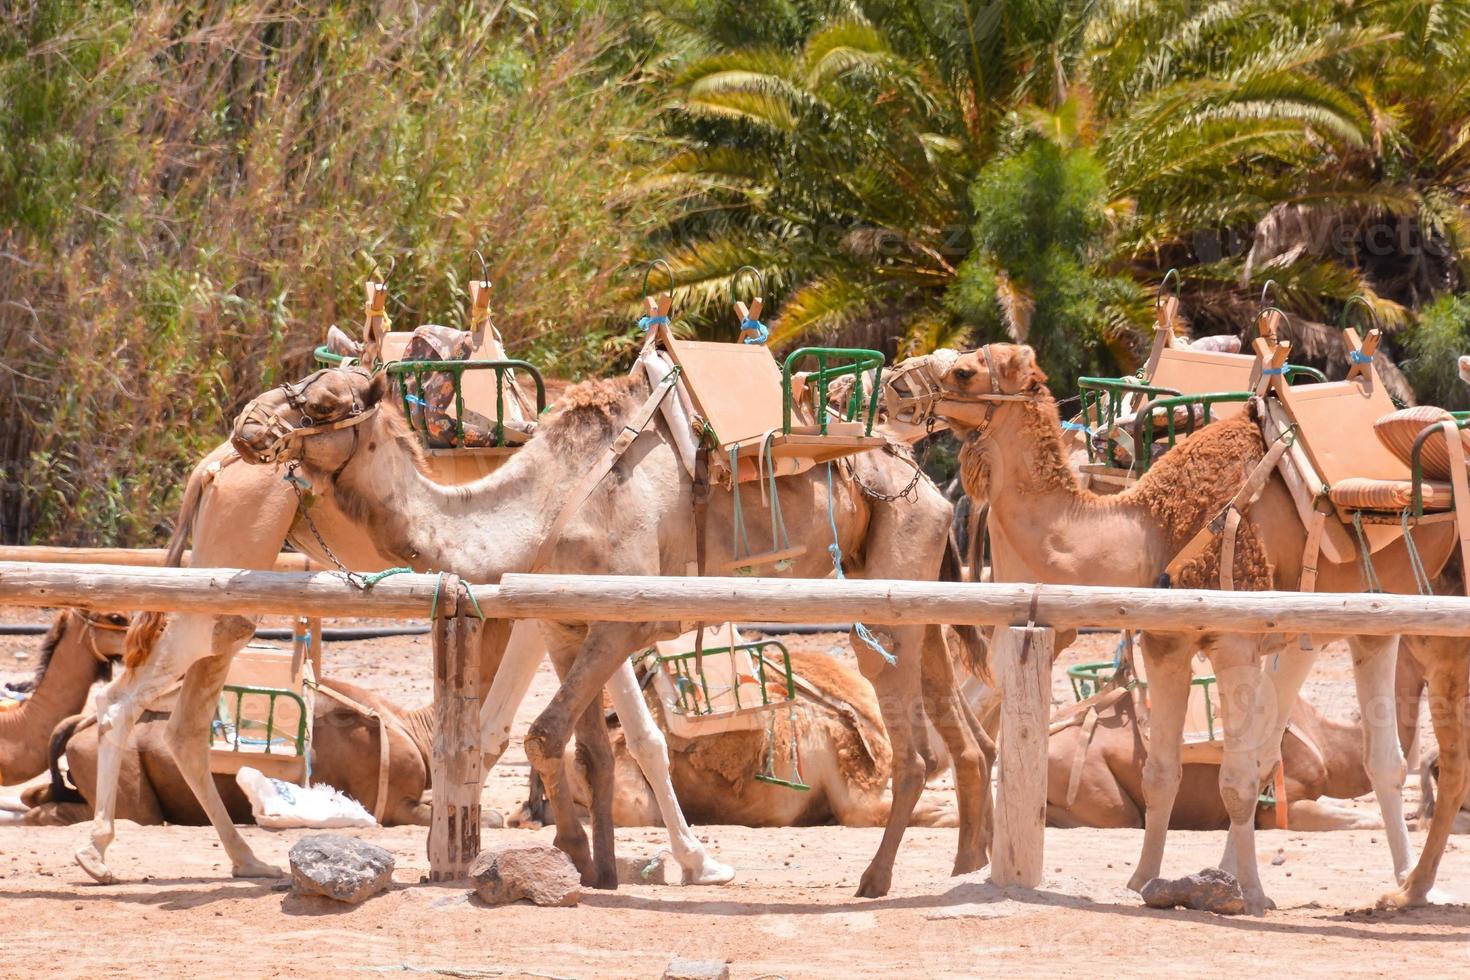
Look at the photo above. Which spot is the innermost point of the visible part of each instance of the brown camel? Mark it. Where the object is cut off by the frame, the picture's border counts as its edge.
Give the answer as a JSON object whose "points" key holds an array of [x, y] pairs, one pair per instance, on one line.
{"points": [[636, 521], [1044, 528], [77, 651], [1321, 757], [844, 757]]}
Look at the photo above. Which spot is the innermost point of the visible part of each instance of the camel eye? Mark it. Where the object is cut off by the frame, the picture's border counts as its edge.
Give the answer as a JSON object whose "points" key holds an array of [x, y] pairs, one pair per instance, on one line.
{"points": [[964, 374]]}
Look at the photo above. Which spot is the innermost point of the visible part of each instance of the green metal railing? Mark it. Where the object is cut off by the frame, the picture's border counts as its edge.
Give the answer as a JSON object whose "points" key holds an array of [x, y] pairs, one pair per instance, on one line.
{"points": [[691, 684], [861, 361], [410, 376], [232, 731], [1088, 678], [1102, 404], [330, 358], [1462, 422], [1144, 423]]}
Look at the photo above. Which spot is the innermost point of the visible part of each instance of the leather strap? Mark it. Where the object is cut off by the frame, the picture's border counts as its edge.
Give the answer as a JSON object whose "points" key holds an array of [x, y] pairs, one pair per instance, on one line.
{"points": [[1311, 555], [383, 749], [631, 430], [1249, 492]]}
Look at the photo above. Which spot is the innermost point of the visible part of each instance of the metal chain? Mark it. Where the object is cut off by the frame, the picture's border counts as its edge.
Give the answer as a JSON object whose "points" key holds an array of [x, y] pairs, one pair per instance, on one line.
{"points": [[354, 579], [909, 492]]}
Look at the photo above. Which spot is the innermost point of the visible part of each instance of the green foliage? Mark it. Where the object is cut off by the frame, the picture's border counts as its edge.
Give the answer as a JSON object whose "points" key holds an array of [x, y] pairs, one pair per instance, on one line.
{"points": [[190, 196], [1031, 277], [1434, 347]]}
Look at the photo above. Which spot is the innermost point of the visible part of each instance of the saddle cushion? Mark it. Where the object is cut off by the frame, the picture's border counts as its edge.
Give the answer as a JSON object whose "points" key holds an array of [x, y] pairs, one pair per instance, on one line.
{"points": [[1360, 493], [1398, 430]]}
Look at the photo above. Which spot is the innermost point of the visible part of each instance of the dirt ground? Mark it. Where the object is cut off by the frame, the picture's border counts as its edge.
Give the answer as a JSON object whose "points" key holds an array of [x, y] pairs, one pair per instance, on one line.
{"points": [[789, 913]]}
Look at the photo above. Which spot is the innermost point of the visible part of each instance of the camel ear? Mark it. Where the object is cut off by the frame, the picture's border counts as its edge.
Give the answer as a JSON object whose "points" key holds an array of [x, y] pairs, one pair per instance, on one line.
{"points": [[376, 389], [1018, 370]]}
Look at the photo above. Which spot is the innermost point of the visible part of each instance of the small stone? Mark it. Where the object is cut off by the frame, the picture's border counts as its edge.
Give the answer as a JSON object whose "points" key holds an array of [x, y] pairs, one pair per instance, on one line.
{"points": [[661, 869], [341, 868], [537, 873], [1211, 890], [1279, 859], [681, 969]]}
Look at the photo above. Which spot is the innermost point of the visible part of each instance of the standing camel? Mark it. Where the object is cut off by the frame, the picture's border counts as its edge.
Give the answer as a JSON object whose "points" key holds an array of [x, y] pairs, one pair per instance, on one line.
{"points": [[1046, 529], [239, 517], [637, 521]]}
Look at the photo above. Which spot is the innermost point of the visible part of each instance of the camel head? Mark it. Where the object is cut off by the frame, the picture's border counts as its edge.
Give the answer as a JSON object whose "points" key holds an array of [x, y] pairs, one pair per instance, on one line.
{"points": [[980, 382], [313, 421], [1465, 369]]}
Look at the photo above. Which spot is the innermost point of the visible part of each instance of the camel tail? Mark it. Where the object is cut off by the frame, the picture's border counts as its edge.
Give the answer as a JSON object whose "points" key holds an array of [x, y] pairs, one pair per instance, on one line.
{"points": [[59, 790], [144, 630], [976, 650]]}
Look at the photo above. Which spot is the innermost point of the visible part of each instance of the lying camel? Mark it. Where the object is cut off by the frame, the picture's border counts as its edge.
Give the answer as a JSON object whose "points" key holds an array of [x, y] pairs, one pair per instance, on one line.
{"points": [[1321, 757], [844, 757], [637, 521], [345, 749]]}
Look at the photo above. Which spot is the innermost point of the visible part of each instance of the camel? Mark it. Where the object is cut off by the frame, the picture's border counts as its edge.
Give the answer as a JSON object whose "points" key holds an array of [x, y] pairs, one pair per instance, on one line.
{"points": [[635, 521], [78, 651], [240, 516], [1044, 528], [844, 757], [1320, 756]]}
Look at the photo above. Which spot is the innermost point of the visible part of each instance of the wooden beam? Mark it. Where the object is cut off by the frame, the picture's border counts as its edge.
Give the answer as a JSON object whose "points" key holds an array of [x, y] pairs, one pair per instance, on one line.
{"points": [[629, 598], [454, 828], [1021, 658], [140, 557]]}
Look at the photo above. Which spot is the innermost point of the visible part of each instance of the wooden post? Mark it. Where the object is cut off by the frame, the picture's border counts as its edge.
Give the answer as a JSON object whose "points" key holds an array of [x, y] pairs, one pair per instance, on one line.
{"points": [[454, 829], [1022, 657]]}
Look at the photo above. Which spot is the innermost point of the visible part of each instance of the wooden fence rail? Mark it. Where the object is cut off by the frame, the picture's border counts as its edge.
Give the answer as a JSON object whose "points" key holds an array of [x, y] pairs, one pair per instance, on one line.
{"points": [[633, 598], [1020, 663]]}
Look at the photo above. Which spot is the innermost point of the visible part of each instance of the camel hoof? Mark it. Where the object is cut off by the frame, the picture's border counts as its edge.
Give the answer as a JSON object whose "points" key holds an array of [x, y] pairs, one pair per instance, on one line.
{"points": [[1139, 879], [964, 865], [875, 884], [1258, 905], [254, 868], [1402, 898], [91, 861], [709, 872], [601, 880]]}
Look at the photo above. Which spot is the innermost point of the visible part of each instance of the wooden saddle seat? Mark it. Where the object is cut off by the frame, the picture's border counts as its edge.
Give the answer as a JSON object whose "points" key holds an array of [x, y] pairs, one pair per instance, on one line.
{"points": [[264, 715], [726, 689], [736, 393], [1337, 458]]}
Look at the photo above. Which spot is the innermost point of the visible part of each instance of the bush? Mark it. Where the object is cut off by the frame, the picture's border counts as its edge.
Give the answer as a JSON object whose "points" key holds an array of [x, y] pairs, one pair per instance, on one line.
{"points": [[1432, 352]]}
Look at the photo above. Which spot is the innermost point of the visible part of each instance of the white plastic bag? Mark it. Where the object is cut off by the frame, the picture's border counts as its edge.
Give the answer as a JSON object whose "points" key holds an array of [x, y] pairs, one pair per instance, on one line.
{"points": [[278, 804]]}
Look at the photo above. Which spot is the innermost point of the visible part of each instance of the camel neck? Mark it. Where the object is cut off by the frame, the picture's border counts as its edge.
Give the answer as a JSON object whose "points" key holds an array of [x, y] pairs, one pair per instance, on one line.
{"points": [[1047, 528], [478, 530], [59, 693]]}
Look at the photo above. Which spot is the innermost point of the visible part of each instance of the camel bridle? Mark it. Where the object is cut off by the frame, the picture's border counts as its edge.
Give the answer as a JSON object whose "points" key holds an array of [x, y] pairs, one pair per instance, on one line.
{"points": [[932, 392], [92, 622], [284, 433]]}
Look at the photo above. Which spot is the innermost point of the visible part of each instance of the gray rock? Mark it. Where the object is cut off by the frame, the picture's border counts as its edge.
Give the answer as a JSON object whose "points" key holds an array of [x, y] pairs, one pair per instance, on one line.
{"points": [[537, 873], [1211, 890], [341, 868], [697, 970]]}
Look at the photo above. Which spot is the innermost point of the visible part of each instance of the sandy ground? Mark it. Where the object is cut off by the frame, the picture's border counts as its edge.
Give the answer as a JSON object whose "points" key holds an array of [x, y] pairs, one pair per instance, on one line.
{"points": [[790, 912]]}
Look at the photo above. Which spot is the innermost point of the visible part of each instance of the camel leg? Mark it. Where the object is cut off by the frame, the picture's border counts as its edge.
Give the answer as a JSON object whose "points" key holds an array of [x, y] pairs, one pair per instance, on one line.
{"points": [[1448, 684], [1374, 661], [647, 745], [1166, 659], [899, 690], [188, 743], [604, 647], [118, 706], [595, 756], [1243, 697], [942, 702], [523, 655]]}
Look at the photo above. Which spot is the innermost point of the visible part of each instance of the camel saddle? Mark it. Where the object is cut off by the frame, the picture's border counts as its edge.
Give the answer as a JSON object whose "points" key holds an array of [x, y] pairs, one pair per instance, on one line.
{"points": [[709, 685], [735, 393]]}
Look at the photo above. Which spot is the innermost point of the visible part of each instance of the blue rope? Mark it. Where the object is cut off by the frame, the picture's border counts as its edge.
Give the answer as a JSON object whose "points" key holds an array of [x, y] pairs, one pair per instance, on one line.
{"points": [[1358, 357], [835, 550], [645, 322], [762, 332], [1274, 371], [1076, 427]]}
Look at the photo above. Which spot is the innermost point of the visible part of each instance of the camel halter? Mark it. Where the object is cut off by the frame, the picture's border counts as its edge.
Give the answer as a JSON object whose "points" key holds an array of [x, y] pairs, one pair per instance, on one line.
{"points": [[93, 622], [284, 432], [926, 392]]}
